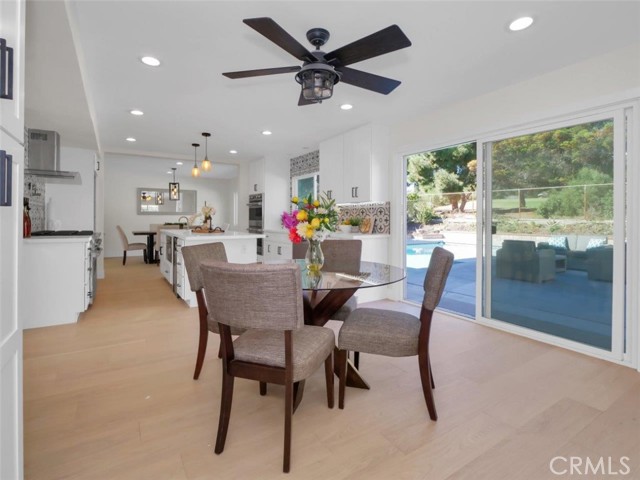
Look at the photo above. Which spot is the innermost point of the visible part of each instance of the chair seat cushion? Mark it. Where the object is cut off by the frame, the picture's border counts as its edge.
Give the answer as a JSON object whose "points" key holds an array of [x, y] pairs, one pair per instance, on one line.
{"points": [[137, 246], [346, 309], [383, 332], [311, 346]]}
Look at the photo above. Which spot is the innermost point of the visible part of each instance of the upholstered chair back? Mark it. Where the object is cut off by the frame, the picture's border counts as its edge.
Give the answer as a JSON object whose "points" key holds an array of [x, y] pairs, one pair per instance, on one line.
{"points": [[436, 277], [123, 237], [339, 255], [196, 254], [254, 296]]}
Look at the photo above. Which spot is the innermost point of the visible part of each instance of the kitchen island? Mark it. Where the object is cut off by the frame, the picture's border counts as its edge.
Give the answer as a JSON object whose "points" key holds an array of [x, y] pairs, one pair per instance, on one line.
{"points": [[240, 248]]}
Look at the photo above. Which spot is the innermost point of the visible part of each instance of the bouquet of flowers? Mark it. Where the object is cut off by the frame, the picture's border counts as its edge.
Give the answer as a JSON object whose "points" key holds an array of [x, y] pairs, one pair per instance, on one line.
{"points": [[311, 219], [207, 211]]}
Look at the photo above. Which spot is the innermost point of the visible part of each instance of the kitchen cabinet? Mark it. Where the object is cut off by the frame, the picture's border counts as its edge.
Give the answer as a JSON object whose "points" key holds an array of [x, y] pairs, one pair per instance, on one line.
{"points": [[277, 246], [46, 298], [256, 176], [354, 165], [270, 175], [239, 247], [165, 253], [12, 29]]}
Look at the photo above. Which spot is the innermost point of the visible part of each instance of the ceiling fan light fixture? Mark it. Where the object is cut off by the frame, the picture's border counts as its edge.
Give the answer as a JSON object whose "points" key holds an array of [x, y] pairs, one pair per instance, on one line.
{"points": [[317, 81]]}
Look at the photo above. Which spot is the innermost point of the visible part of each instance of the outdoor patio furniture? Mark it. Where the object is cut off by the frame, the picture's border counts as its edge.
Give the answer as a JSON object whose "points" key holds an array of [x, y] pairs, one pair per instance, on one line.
{"points": [[519, 260], [575, 247], [600, 264]]}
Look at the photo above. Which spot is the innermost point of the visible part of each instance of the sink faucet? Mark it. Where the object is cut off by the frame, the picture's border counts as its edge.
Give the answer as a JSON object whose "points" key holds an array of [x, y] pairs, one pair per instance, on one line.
{"points": [[180, 218]]}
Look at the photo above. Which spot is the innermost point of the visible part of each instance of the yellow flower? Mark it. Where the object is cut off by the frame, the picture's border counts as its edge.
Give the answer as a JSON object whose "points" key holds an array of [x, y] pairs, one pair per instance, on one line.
{"points": [[302, 215], [294, 200], [315, 223], [309, 232], [326, 219], [316, 203]]}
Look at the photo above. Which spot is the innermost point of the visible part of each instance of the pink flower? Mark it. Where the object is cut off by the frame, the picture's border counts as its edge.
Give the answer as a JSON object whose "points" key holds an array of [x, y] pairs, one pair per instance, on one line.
{"points": [[289, 220]]}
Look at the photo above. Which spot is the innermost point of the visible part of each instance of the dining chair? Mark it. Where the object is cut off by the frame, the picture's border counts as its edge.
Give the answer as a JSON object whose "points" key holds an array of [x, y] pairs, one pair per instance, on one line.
{"points": [[277, 347], [193, 256], [127, 247], [343, 256], [397, 334]]}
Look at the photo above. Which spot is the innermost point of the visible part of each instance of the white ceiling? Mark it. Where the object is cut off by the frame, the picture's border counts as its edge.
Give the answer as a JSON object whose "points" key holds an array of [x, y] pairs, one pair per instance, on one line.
{"points": [[460, 50]]}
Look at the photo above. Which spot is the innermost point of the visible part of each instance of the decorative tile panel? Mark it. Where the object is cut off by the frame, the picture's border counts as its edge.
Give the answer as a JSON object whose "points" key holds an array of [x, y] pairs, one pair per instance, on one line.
{"points": [[380, 213], [34, 189], [304, 164]]}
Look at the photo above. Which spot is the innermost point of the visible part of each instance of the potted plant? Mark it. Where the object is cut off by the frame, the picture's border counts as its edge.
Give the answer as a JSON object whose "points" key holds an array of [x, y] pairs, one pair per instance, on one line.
{"points": [[355, 223], [345, 227]]}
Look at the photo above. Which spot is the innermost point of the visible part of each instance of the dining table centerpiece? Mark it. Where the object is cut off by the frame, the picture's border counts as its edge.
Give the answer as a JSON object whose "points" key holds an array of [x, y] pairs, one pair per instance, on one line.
{"points": [[311, 220]]}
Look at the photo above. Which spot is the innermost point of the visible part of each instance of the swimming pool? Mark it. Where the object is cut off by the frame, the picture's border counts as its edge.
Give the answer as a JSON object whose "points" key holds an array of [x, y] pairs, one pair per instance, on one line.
{"points": [[419, 254]]}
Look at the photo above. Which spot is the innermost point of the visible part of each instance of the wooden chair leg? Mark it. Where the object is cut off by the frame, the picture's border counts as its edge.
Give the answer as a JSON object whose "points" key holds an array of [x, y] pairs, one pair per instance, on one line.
{"points": [[425, 378], [328, 372], [225, 411], [341, 362], [263, 388], [124, 258], [220, 350], [433, 384], [356, 359], [202, 349], [288, 414]]}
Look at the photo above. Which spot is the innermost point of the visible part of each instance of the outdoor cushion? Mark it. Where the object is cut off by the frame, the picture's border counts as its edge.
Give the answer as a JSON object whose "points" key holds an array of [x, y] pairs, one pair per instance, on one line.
{"points": [[595, 243], [558, 242]]}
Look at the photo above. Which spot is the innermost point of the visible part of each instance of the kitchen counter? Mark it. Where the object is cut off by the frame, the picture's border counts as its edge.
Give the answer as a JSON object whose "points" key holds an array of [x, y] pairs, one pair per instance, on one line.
{"points": [[68, 239], [188, 235]]}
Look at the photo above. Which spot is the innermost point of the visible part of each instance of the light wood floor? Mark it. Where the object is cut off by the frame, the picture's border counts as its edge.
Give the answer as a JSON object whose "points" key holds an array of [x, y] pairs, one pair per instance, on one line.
{"points": [[112, 397]]}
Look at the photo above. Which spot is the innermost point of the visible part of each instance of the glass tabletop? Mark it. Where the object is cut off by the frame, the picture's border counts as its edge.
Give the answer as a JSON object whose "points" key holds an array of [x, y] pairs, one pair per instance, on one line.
{"points": [[370, 274]]}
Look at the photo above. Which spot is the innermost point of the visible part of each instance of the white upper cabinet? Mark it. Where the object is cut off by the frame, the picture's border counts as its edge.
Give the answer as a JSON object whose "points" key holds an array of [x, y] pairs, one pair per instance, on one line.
{"points": [[354, 166], [256, 176], [12, 68], [331, 161]]}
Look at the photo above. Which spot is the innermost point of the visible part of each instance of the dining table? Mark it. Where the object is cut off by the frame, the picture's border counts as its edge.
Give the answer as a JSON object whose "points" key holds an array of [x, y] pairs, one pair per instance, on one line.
{"points": [[150, 234], [325, 292]]}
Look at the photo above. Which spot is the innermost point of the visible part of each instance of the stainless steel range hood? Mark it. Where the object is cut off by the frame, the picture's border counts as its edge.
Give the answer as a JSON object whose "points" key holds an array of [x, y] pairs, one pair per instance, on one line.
{"points": [[43, 157]]}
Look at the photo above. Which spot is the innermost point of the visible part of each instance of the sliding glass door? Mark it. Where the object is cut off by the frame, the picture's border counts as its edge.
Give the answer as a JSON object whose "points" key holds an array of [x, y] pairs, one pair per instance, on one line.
{"points": [[553, 233]]}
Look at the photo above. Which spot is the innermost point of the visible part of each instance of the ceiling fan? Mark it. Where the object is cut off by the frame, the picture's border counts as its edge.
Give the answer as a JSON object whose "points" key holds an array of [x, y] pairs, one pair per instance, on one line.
{"points": [[321, 71]]}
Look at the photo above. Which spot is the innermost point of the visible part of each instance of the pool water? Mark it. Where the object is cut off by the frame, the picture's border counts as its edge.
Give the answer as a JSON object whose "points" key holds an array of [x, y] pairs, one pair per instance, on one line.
{"points": [[419, 254]]}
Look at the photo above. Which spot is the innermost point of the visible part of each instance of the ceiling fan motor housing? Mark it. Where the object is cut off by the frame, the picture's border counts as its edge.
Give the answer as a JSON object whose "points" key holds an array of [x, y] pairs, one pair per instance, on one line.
{"points": [[318, 36]]}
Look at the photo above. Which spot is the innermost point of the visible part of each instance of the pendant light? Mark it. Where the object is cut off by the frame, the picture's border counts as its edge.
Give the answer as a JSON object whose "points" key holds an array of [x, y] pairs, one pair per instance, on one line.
{"points": [[195, 171], [206, 164], [174, 187]]}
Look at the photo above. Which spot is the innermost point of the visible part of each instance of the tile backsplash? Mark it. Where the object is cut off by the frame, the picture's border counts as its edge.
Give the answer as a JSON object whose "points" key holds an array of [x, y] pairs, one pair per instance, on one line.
{"points": [[34, 190], [379, 212]]}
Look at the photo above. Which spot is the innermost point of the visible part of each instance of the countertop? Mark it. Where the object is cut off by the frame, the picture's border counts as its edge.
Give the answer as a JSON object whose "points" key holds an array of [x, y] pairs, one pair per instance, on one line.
{"points": [[359, 236], [69, 239], [188, 234]]}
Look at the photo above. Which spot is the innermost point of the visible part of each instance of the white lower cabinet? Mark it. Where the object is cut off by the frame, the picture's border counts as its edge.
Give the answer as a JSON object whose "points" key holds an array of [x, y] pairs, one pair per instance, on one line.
{"points": [[45, 299], [277, 246]]}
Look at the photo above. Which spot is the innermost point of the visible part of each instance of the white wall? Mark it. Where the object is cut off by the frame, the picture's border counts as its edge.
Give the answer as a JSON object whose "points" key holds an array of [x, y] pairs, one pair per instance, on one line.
{"points": [[124, 174], [72, 205]]}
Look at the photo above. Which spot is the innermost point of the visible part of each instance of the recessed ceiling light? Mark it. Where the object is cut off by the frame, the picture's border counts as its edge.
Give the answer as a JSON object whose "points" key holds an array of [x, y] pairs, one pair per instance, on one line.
{"points": [[266, 132], [178, 163], [346, 106], [169, 172], [151, 61], [233, 152], [136, 112], [520, 24], [130, 139]]}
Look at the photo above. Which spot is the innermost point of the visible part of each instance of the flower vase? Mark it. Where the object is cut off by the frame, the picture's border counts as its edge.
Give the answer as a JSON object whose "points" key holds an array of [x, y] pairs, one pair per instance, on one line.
{"points": [[314, 257]]}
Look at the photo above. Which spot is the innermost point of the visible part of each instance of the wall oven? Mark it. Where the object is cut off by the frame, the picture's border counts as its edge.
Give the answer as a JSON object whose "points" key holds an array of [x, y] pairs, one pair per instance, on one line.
{"points": [[256, 219], [256, 213]]}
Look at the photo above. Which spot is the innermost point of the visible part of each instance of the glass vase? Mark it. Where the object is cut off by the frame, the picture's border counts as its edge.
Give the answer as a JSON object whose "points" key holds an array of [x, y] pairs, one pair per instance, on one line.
{"points": [[314, 257]]}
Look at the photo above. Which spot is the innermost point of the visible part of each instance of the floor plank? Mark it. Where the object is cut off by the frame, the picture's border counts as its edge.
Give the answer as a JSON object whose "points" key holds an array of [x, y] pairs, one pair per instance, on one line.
{"points": [[112, 397]]}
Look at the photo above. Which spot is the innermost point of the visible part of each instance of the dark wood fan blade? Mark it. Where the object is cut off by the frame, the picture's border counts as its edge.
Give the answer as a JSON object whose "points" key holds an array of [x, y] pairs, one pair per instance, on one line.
{"points": [[260, 72], [386, 40], [372, 82], [274, 32], [303, 101]]}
